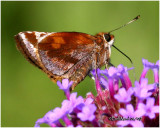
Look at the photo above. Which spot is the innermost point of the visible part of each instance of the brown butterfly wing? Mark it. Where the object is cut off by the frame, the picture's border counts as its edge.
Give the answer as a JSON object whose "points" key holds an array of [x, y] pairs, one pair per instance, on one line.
{"points": [[60, 52], [26, 43], [60, 55]]}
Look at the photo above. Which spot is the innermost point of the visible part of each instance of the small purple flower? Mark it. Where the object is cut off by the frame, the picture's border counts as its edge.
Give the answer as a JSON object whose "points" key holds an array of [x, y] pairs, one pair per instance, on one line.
{"points": [[149, 108], [122, 69], [38, 122], [148, 65], [103, 81], [76, 101], [67, 106], [156, 72], [123, 95], [88, 101], [51, 117], [129, 116], [122, 73], [145, 68], [65, 86], [143, 90], [87, 113], [111, 73]]}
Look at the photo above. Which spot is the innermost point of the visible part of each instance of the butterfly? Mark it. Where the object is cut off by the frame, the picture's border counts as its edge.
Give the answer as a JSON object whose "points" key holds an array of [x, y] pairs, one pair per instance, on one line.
{"points": [[62, 55]]}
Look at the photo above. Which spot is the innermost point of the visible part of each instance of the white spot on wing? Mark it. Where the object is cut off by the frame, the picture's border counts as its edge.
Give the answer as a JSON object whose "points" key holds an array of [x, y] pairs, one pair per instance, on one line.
{"points": [[32, 50], [44, 36], [38, 34]]}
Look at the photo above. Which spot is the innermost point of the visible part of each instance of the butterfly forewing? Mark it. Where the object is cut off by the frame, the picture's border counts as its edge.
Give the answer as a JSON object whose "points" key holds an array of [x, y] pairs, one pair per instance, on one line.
{"points": [[59, 52]]}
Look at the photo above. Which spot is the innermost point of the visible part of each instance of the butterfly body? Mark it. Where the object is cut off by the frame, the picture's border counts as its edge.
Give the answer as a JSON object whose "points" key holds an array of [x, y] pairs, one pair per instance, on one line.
{"points": [[65, 54]]}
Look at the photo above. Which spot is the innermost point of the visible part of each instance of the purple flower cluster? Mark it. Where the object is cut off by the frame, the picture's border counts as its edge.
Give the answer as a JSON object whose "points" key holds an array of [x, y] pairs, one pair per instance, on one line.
{"points": [[74, 108], [118, 102]]}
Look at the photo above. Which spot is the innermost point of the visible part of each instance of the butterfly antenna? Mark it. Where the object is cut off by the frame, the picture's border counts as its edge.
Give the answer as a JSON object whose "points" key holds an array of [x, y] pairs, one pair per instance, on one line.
{"points": [[136, 18], [127, 58]]}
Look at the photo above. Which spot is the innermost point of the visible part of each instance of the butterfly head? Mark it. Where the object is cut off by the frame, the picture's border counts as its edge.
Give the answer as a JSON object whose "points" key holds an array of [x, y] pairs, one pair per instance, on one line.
{"points": [[109, 39]]}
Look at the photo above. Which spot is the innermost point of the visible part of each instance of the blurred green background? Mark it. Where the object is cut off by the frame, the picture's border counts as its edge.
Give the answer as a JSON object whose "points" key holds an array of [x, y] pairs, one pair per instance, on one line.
{"points": [[27, 93]]}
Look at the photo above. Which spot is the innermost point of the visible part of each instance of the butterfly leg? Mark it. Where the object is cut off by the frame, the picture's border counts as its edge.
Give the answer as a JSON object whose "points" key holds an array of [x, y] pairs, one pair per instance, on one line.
{"points": [[107, 61]]}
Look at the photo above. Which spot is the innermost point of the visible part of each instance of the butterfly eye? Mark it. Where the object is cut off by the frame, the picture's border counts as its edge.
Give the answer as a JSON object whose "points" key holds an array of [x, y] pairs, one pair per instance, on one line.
{"points": [[107, 37]]}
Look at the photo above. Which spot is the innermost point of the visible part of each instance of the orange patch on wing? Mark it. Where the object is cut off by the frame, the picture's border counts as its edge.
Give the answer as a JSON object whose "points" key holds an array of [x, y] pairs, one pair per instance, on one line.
{"points": [[56, 46], [59, 40]]}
